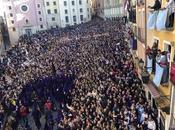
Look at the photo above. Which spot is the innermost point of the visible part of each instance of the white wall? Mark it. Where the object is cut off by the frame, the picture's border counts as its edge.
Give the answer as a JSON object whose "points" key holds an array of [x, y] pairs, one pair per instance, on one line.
{"points": [[51, 7], [76, 12]]}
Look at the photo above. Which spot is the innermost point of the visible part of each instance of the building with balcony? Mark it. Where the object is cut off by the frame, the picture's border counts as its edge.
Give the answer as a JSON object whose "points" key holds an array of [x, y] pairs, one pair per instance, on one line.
{"points": [[160, 90], [109, 8], [164, 38]]}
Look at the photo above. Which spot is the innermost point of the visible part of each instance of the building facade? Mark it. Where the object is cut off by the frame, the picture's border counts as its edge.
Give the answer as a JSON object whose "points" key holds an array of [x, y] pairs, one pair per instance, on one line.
{"points": [[161, 96], [74, 12], [30, 16], [109, 8], [24, 17], [52, 13]]}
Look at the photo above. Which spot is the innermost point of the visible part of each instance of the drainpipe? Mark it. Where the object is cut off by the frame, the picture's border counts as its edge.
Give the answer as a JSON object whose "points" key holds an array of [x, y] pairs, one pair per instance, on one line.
{"points": [[145, 31]]}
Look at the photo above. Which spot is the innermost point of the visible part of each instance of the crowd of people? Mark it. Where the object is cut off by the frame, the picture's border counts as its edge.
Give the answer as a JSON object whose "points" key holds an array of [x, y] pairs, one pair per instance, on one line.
{"points": [[80, 77]]}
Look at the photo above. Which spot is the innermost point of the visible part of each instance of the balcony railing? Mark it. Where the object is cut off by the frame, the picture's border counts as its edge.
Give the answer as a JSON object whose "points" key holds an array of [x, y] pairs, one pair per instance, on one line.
{"points": [[141, 34]]}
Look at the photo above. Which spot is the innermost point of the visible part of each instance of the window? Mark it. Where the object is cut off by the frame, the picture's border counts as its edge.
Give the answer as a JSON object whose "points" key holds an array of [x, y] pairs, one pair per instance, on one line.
{"points": [[39, 12], [24, 8], [48, 11], [81, 17], [81, 10], [47, 3], [67, 19], [27, 21], [38, 5], [55, 11], [12, 21], [40, 19], [54, 3], [74, 18], [73, 2], [65, 3], [88, 9], [65, 11], [11, 15], [87, 1], [14, 29], [53, 18], [80, 2], [10, 7], [73, 10], [41, 26]]}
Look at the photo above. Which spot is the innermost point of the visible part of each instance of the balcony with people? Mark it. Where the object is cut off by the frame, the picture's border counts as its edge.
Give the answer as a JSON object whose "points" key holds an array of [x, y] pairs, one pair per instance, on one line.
{"points": [[161, 16], [159, 66]]}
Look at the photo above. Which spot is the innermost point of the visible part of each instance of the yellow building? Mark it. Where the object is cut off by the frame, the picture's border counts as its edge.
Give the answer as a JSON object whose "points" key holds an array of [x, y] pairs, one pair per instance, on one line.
{"points": [[165, 40], [161, 97]]}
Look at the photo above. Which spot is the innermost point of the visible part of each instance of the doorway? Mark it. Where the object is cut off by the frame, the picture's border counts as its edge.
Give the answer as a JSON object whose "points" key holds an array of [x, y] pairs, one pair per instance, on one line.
{"points": [[28, 32]]}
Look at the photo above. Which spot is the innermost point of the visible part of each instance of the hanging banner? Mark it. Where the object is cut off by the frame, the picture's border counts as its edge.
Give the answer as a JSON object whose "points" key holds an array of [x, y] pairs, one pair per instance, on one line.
{"points": [[152, 18], [161, 19], [158, 75], [149, 64]]}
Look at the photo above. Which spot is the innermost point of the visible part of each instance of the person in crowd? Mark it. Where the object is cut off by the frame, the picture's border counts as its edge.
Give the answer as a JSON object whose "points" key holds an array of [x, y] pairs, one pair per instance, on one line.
{"points": [[156, 6], [164, 64], [170, 4], [36, 116], [151, 124], [154, 54]]}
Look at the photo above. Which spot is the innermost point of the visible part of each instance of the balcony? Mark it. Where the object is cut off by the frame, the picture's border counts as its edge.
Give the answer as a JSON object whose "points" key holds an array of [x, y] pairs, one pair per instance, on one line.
{"points": [[141, 34], [161, 20]]}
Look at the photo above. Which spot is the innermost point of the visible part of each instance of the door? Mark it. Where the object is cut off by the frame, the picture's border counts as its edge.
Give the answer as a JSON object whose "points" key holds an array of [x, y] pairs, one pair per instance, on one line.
{"points": [[28, 32]]}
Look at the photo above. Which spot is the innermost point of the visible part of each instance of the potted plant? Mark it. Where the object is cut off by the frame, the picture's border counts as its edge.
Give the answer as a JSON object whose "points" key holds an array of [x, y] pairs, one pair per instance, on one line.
{"points": [[145, 76]]}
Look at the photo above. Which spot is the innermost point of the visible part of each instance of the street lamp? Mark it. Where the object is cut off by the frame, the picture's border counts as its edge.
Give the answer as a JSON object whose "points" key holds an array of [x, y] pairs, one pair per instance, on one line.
{"points": [[141, 64]]}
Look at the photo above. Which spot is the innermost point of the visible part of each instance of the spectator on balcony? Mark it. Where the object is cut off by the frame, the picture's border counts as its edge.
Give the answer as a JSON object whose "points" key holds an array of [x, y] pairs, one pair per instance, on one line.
{"points": [[170, 4], [154, 54], [156, 6], [164, 64]]}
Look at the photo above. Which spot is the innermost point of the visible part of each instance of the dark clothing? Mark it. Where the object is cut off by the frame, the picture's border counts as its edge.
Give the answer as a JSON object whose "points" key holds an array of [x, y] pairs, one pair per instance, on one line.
{"points": [[37, 115], [157, 5]]}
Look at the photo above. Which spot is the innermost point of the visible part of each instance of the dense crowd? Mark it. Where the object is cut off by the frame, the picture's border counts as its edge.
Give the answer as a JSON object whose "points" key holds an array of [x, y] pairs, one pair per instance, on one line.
{"points": [[83, 74]]}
